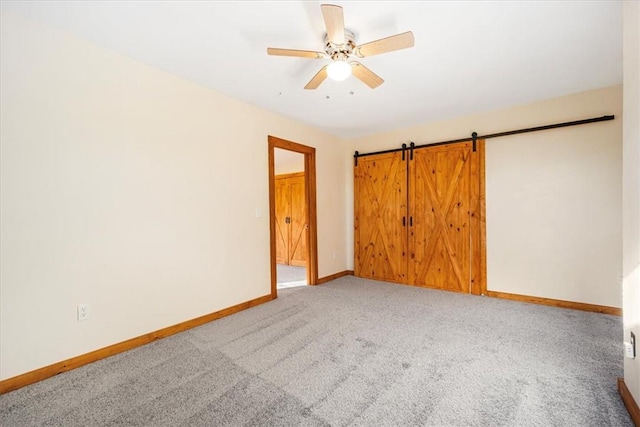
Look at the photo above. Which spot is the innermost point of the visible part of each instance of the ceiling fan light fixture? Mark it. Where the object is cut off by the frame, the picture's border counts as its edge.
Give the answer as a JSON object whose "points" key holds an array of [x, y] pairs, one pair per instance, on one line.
{"points": [[339, 70], [340, 45]]}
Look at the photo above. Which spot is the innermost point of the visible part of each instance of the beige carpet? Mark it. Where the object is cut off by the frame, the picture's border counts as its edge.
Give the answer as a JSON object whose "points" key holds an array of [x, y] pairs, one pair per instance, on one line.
{"points": [[289, 276], [352, 352]]}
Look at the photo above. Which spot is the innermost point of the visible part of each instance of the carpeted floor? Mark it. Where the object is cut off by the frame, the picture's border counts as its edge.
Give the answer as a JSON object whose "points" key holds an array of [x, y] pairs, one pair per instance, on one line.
{"points": [[352, 352], [289, 276]]}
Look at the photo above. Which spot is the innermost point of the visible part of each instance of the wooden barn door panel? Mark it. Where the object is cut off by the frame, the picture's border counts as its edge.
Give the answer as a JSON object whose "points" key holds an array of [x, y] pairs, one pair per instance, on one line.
{"points": [[298, 239], [291, 220], [380, 206], [440, 183], [282, 197]]}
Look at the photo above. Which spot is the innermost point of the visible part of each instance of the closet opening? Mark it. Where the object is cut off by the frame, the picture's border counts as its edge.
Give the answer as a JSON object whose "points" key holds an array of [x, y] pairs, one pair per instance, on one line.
{"points": [[292, 214]]}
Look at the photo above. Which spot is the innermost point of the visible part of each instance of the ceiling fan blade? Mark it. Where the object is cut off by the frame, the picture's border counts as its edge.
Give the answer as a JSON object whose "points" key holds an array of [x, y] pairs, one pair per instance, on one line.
{"points": [[387, 44], [317, 79], [334, 21], [298, 53], [367, 76]]}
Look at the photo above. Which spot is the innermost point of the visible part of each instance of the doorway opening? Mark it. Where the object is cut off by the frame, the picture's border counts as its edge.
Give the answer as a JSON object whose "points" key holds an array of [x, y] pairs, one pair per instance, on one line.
{"points": [[291, 221], [292, 208]]}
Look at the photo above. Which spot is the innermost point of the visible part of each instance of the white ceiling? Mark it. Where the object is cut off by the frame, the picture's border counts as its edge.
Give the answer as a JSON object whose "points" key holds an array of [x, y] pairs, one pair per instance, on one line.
{"points": [[469, 56]]}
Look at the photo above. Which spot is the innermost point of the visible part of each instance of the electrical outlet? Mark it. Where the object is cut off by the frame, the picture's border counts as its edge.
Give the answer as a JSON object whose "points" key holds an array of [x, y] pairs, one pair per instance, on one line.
{"points": [[630, 347], [83, 312], [628, 350]]}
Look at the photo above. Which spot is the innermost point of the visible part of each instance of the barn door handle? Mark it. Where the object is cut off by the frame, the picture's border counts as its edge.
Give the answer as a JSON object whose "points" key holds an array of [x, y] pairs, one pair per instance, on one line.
{"points": [[411, 221], [404, 221]]}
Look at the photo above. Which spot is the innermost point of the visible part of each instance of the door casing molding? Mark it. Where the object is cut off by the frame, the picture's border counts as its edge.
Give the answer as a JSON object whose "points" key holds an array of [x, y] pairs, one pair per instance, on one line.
{"points": [[310, 201]]}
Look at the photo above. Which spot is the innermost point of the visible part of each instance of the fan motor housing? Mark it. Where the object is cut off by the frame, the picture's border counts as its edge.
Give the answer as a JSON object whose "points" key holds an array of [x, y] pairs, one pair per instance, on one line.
{"points": [[336, 51]]}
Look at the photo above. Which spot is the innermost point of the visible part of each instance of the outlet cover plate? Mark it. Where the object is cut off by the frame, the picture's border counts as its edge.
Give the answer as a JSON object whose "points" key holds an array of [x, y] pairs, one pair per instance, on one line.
{"points": [[628, 350], [83, 312]]}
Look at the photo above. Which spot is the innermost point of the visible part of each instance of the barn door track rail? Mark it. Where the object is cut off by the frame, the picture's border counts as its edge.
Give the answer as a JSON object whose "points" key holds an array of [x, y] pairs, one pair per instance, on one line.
{"points": [[474, 137]]}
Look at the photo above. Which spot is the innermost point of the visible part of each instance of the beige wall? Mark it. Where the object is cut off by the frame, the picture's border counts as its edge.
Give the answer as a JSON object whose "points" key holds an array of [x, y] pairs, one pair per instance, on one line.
{"points": [[553, 197], [133, 191], [631, 190], [288, 161]]}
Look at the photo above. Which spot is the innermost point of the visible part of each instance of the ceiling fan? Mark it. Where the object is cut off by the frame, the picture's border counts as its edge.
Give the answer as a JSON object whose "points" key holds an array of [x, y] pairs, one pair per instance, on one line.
{"points": [[339, 45]]}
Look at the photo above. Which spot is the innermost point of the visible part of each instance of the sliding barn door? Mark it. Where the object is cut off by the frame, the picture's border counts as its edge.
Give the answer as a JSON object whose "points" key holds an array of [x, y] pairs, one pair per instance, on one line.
{"points": [[282, 199], [298, 233], [443, 185], [380, 217], [291, 220]]}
